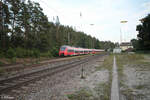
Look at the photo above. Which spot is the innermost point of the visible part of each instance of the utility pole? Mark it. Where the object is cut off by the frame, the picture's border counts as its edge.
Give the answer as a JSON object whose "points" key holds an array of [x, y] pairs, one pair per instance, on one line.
{"points": [[68, 38], [92, 41], [81, 19], [120, 36], [57, 28], [57, 20]]}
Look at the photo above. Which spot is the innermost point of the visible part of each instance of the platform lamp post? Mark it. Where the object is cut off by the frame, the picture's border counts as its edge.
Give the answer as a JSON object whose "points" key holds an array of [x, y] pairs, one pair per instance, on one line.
{"points": [[122, 22], [92, 44]]}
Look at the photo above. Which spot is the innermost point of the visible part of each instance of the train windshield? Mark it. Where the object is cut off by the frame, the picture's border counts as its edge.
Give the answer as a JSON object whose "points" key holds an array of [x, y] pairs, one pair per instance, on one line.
{"points": [[62, 48]]}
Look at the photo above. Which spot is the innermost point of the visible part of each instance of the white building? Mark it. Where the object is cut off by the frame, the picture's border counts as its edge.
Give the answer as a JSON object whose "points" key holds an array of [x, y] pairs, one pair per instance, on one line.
{"points": [[126, 46], [117, 50]]}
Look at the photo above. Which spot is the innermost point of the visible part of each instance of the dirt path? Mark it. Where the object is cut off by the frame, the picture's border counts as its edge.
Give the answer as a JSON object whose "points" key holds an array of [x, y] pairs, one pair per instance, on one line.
{"points": [[114, 87]]}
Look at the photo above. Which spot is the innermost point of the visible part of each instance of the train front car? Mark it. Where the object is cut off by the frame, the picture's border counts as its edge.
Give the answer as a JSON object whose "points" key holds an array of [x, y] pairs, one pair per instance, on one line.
{"points": [[63, 51]]}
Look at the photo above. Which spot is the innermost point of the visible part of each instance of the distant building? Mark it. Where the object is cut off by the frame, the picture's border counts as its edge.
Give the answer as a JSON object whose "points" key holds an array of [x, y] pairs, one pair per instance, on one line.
{"points": [[126, 46], [117, 50]]}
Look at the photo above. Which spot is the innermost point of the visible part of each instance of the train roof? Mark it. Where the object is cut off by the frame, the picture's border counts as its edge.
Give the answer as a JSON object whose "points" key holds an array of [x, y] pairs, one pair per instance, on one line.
{"points": [[79, 48]]}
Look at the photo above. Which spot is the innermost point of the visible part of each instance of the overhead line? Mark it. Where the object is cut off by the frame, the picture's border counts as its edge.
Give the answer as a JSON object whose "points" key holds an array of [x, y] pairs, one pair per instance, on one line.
{"points": [[56, 11], [49, 6]]}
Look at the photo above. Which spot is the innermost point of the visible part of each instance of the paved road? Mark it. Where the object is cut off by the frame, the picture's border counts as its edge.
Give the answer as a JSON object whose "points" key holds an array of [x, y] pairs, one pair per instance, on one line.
{"points": [[114, 87]]}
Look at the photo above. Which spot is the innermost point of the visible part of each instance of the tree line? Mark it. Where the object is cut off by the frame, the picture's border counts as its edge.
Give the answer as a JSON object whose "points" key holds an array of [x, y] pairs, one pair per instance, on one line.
{"points": [[143, 41], [26, 32]]}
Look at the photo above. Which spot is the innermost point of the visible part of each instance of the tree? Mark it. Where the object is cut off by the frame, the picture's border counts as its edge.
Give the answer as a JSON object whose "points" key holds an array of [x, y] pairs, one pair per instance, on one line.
{"points": [[144, 33], [24, 25], [135, 44], [4, 23]]}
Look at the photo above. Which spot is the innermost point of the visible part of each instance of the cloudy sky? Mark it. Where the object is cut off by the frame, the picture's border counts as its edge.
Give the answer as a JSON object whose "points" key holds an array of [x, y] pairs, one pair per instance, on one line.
{"points": [[105, 15]]}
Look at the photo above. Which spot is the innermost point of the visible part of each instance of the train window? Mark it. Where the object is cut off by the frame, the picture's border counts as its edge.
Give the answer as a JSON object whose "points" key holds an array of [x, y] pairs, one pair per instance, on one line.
{"points": [[76, 51], [62, 48], [70, 50]]}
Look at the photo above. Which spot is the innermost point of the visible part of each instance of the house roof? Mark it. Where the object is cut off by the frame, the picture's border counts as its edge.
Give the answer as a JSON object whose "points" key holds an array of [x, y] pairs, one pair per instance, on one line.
{"points": [[125, 44]]}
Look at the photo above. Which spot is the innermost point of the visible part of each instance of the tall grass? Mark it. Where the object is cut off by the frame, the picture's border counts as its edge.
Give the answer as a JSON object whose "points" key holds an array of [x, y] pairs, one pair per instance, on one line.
{"points": [[130, 60]]}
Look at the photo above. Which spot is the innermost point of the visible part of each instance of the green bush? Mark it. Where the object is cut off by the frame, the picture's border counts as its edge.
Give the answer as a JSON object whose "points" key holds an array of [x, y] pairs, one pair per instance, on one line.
{"points": [[13, 60], [54, 52], [43, 54], [20, 52], [36, 53], [10, 53], [82, 94], [30, 53], [46, 54], [2, 54], [49, 54]]}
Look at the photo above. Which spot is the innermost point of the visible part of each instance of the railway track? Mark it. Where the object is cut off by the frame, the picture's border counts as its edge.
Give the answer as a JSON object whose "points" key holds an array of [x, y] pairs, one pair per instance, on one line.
{"points": [[21, 66], [23, 79]]}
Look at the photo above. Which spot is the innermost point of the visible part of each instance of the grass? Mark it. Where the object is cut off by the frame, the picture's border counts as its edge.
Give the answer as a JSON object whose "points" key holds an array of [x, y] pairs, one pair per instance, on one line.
{"points": [[100, 92], [103, 91], [82, 94], [107, 64], [140, 86], [105, 88], [127, 59], [130, 60], [121, 61]]}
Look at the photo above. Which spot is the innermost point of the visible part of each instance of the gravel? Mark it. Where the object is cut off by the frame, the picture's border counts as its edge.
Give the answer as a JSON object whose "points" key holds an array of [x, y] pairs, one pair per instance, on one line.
{"points": [[59, 85]]}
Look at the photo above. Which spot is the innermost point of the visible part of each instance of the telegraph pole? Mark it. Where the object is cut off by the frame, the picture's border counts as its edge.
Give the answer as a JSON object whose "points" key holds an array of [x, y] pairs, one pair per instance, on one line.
{"points": [[57, 29], [120, 36], [69, 38], [81, 19]]}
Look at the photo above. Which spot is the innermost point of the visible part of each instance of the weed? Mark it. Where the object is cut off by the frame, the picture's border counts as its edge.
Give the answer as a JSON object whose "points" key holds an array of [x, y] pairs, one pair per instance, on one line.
{"points": [[82, 94], [130, 60], [103, 91], [107, 64], [139, 87]]}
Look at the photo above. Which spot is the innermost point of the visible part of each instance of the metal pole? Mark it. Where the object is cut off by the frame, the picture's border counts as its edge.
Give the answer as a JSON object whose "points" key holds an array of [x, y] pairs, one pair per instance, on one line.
{"points": [[82, 72], [68, 38], [120, 36], [123, 22]]}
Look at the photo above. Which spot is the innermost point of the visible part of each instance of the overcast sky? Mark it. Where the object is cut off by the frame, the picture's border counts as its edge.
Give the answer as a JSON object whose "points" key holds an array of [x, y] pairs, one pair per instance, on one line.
{"points": [[104, 14]]}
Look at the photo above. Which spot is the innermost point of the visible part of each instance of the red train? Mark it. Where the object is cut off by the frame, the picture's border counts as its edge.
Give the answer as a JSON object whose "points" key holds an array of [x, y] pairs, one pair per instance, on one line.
{"points": [[70, 51]]}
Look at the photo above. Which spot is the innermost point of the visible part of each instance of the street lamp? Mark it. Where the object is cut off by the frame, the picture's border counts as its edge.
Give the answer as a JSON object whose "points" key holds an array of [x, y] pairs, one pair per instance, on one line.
{"points": [[122, 22], [91, 24], [92, 44]]}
